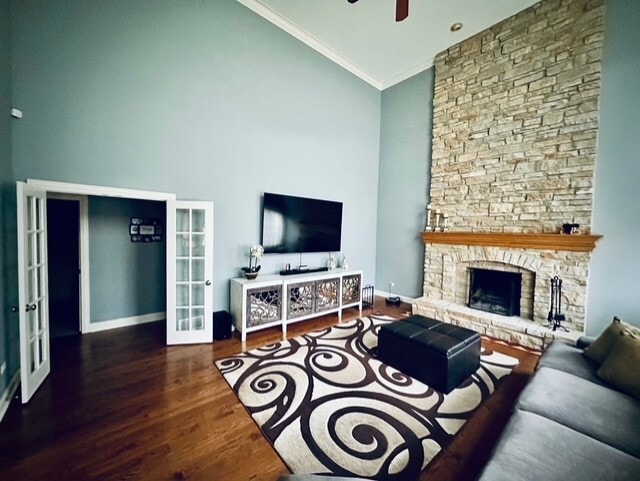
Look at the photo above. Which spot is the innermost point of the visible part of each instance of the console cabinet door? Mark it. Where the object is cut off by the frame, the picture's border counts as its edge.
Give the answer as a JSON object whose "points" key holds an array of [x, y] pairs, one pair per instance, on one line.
{"points": [[189, 272]]}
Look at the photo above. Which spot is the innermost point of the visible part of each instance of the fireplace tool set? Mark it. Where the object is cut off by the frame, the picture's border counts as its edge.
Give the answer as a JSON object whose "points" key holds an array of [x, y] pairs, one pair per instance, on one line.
{"points": [[555, 316]]}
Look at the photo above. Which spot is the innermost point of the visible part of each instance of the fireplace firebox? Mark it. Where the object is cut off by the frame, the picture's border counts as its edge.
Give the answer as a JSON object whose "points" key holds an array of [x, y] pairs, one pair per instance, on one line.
{"points": [[495, 291]]}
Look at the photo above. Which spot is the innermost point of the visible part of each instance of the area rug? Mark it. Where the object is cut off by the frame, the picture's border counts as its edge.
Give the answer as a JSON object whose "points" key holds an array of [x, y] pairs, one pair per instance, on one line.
{"points": [[328, 406]]}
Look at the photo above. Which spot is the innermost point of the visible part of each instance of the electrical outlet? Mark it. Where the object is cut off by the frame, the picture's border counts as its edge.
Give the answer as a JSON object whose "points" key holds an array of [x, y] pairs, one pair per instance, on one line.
{"points": [[3, 368]]}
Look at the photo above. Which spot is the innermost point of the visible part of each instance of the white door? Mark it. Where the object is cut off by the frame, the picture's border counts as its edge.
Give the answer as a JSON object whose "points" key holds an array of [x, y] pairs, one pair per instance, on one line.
{"points": [[32, 288], [189, 272]]}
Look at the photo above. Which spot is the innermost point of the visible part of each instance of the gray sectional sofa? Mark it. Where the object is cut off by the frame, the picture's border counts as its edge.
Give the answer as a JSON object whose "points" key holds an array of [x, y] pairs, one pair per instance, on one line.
{"points": [[569, 424]]}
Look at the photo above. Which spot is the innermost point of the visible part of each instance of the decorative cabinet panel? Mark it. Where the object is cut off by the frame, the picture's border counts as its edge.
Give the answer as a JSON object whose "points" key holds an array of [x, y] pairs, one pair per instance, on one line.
{"points": [[301, 299], [327, 294], [280, 300], [264, 305], [351, 289]]}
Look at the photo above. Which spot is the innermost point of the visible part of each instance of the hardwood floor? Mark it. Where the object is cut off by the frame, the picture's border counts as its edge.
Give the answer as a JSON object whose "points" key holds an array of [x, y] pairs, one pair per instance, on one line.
{"points": [[122, 405]]}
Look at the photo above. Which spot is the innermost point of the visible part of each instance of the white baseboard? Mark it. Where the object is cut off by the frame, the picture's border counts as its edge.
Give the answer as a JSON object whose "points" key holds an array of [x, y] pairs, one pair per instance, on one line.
{"points": [[126, 321], [386, 294], [8, 393]]}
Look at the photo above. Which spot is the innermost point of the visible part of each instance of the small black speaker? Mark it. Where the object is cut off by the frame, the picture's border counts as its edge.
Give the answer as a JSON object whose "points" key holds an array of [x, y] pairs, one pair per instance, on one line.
{"points": [[221, 325]]}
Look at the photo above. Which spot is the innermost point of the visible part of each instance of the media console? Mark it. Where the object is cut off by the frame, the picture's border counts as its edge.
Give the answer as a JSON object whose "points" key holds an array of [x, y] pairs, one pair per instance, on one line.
{"points": [[279, 300]]}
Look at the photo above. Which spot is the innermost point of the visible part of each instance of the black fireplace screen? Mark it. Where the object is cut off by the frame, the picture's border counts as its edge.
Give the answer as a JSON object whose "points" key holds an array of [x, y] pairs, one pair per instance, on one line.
{"points": [[495, 291]]}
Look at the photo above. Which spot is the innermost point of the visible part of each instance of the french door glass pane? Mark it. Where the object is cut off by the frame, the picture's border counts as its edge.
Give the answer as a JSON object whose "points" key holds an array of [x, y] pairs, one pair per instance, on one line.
{"points": [[32, 348], [197, 245], [182, 319], [182, 270], [38, 248], [198, 220], [197, 295], [30, 246], [32, 322], [38, 213], [37, 294], [31, 209], [182, 245], [197, 270], [182, 295], [197, 317], [182, 220]]}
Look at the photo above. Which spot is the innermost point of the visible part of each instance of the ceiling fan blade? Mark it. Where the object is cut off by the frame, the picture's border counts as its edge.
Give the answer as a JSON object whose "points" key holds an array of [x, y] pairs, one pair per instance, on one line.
{"points": [[402, 10]]}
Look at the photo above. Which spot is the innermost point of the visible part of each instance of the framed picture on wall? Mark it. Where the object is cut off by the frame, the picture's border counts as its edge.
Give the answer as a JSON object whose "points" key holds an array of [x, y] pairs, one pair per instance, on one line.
{"points": [[146, 229]]}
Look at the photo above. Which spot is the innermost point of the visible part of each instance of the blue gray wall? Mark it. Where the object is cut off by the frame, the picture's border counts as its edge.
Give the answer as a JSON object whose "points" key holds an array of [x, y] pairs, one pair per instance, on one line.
{"points": [[203, 99], [127, 278], [9, 333], [614, 285], [405, 166]]}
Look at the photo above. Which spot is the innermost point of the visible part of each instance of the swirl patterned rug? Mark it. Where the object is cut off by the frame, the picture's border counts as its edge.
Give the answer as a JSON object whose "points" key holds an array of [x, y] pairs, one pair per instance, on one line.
{"points": [[328, 406]]}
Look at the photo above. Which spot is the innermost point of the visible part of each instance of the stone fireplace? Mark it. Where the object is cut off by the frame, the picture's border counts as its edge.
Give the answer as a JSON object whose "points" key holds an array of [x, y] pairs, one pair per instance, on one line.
{"points": [[515, 122], [536, 258]]}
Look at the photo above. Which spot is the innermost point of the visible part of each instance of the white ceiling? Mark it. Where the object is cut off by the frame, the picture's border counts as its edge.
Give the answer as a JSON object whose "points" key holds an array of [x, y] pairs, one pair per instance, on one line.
{"points": [[365, 39]]}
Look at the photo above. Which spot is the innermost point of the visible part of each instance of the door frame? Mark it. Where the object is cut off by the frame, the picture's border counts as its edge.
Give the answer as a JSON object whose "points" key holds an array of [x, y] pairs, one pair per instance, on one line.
{"points": [[81, 192]]}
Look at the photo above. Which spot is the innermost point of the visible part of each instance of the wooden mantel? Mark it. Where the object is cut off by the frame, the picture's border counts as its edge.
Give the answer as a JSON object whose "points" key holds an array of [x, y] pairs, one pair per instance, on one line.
{"points": [[556, 242]]}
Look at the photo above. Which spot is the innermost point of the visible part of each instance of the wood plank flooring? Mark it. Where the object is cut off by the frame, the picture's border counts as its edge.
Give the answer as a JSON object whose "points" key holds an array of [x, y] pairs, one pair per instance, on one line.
{"points": [[120, 405]]}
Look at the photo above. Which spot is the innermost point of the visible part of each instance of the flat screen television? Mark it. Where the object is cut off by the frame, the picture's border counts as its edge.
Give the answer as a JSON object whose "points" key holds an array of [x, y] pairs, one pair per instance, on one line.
{"points": [[299, 224]]}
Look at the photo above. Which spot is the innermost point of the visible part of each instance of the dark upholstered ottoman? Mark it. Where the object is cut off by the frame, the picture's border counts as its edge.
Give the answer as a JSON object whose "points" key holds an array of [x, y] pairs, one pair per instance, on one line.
{"points": [[438, 354]]}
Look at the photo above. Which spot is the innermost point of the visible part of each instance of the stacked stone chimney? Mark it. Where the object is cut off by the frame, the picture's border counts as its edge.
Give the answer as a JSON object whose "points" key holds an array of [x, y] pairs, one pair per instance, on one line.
{"points": [[515, 122]]}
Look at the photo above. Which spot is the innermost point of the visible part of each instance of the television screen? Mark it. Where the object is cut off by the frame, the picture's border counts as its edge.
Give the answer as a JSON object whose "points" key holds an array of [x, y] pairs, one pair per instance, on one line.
{"points": [[299, 224]]}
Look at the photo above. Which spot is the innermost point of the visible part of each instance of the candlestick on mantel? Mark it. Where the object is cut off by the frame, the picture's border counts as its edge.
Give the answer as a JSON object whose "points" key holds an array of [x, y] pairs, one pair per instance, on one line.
{"points": [[446, 222], [428, 217], [437, 220]]}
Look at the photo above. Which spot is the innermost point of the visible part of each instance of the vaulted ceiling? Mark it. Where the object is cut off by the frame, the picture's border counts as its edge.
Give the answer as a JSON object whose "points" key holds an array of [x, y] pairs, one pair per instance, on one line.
{"points": [[364, 38]]}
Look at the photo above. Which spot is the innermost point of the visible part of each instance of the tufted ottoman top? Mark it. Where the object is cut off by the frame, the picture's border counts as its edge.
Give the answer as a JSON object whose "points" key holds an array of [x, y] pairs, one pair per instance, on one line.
{"points": [[439, 337]]}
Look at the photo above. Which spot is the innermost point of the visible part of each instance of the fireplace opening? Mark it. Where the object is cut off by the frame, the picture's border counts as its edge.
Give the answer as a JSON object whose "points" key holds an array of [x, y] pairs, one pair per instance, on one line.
{"points": [[495, 291]]}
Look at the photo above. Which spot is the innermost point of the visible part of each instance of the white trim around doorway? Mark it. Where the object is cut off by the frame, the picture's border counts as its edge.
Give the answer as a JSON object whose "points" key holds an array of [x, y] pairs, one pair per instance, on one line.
{"points": [[99, 190], [65, 190]]}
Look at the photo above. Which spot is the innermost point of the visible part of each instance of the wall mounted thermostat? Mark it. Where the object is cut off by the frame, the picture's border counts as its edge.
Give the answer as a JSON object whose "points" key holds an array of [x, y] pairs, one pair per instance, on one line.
{"points": [[16, 113]]}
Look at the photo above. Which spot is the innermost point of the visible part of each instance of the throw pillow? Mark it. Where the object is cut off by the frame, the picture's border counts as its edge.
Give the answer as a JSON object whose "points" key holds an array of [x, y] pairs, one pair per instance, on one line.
{"points": [[601, 347], [620, 369], [598, 351]]}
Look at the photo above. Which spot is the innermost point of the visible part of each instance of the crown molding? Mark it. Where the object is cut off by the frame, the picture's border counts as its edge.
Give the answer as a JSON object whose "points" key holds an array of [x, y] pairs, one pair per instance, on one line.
{"points": [[415, 70], [278, 20]]}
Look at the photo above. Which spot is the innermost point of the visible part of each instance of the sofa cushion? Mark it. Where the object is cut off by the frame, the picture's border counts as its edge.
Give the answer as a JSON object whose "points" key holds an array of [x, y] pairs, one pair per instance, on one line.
{"points": [[599, 350], [533, 448], [564, 357], [597, 411], [620, 368]]}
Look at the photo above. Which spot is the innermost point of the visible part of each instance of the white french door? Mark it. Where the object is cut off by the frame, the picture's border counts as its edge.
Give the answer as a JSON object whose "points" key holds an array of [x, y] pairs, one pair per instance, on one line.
{"points": [[189, 272], [35, 363]]}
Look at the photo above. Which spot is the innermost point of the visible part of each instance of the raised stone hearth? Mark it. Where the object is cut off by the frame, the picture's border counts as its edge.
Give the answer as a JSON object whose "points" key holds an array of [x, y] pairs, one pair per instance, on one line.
{"points": [[447, 277], [511, 329]]}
